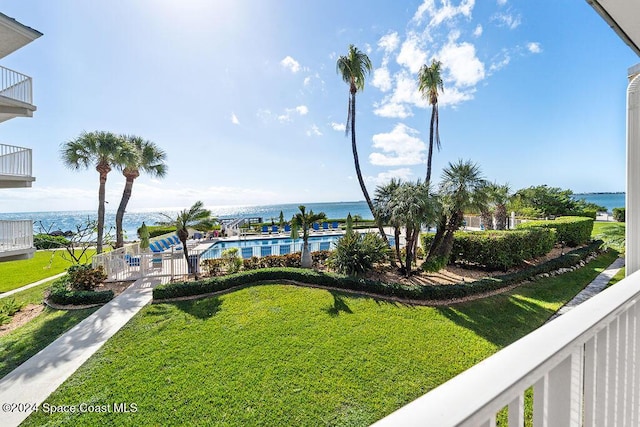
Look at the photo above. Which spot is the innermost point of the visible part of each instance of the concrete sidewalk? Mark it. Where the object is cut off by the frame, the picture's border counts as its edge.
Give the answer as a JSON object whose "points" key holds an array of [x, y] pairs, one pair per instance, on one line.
{"points": [[31, 285], [33, 381], [593, 288]]}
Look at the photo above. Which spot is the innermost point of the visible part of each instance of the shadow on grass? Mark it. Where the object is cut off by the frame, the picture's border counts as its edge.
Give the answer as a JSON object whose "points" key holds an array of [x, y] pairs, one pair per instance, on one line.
{"points": [[202, 308], [20, 345], [339, 305]]}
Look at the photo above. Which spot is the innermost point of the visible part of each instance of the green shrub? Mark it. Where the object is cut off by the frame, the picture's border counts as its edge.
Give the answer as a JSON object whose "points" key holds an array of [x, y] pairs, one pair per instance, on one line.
{"points": [[231, 260], [213, 266], [357, 253], [10, 306], [159, 230], [44, 241], [59, 293], [4, 318], [572, 230], [619, 214], [83, 277], [405, 291]]}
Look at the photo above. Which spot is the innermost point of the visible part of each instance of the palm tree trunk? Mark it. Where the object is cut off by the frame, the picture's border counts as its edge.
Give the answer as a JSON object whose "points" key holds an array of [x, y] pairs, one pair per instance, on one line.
{"points": [[126, 195], [430, 155], [396, 235], [101, 200], [409, 247], [354, 148], [305, 259]]}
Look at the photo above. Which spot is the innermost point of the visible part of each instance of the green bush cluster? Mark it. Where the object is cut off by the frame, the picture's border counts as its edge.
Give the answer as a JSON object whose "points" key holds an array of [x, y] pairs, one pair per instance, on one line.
{"points": [[405, 291], [59, 293], [83, 277], [8, 308], [356, 254], [158, 230], [572, 230], [619, 214], [495, 250], [44, 241]]}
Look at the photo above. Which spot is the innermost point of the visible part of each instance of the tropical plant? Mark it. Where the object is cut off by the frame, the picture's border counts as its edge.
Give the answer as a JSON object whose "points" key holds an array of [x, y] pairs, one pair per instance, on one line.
{"points": [[353, 68], [382, 202], [305, 220], [551, 201], [429, 82], [495, 210], [104, 150], [461, 189], [232, 260], [356, 253], [195, 217], [411, 207], [149, 159]]}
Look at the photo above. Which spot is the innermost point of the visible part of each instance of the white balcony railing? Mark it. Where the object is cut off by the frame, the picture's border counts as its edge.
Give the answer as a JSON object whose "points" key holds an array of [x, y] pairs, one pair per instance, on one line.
{"points": [[15, 235], [584, 368], [15, 161], [15, 85]]}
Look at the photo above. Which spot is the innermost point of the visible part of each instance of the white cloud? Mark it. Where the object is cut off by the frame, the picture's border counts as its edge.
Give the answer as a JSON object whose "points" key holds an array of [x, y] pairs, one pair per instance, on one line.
{"points": [[500, 62], [314, 131], [501, 2], [534, 47], [478, 31], [507, 20], [389, 42], [382, 79], [400, 147], [368, 49], [291, 64], [338, 126], [302, 110], [464, 67], [307, 80], [453, 96], [234, 119], [442, 14], [403, 174], [288, 113], [392, 110], [411, 56]]}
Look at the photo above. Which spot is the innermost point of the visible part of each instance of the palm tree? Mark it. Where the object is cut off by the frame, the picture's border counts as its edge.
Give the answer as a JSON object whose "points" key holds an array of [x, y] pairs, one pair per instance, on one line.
{"points": [[382, 202], [501, 194], [305, 220], [353, 69], [462, 188], [195, 217], [150, 159], [412, 206], [105, 151], [429, 81]]}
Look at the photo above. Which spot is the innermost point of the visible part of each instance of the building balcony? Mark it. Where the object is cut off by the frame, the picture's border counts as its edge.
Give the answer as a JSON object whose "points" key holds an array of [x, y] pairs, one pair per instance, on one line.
{"points": [[15, 167], [16, 240], [15, 95]]}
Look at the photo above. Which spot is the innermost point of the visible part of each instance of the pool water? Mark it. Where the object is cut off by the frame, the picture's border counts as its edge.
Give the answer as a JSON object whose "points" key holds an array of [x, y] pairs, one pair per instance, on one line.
{"points": [[272, 246]]}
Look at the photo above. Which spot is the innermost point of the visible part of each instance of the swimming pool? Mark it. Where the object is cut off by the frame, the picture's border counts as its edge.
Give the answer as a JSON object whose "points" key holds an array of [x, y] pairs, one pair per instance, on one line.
{"points": [[273, 246]]}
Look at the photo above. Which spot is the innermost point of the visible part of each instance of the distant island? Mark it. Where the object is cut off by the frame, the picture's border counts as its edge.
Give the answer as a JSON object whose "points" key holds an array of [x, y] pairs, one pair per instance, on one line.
{"points": [[599, 193]]}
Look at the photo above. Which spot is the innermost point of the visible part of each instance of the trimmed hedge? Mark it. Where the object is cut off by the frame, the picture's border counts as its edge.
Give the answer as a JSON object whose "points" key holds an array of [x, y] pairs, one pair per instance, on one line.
{"points": [[498, 249], [619, 214], [572, 230], [59, 293], [45, 241], [404, 291]]}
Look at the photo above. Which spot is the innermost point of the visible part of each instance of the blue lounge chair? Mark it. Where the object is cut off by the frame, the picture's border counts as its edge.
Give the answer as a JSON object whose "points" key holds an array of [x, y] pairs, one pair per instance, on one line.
{"points": [[335, 226], [274, 229], [287, 228], [265, 229], [164, 243], [316, 227], [325, 226], [197, 235], [155, 247]]}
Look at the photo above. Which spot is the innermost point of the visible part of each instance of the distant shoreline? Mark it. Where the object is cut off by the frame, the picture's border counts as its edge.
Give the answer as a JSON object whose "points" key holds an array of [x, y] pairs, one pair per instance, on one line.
{"points": [[599, 193]]}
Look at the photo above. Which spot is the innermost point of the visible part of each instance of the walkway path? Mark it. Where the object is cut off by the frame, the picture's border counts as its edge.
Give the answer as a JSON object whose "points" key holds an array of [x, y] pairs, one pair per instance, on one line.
{"points": [[593, 288], [31, 285], [34, 380]]}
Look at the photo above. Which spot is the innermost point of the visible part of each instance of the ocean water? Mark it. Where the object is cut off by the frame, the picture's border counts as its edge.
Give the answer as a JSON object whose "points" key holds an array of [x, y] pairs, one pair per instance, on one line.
{"points": [[608, 200], [45, 222]]}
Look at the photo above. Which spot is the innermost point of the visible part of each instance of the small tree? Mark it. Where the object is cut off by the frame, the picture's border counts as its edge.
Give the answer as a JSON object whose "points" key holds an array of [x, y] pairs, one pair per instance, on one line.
{"points": [[305, 220]]}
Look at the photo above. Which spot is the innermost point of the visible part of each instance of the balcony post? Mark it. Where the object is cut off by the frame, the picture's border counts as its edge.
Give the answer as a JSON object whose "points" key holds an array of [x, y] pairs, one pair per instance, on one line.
{"points": [[632, 259]]}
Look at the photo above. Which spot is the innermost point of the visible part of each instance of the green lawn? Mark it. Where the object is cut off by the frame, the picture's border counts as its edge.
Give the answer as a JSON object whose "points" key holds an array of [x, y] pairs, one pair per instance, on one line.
{"points": [[282, 355], [14, 274]]}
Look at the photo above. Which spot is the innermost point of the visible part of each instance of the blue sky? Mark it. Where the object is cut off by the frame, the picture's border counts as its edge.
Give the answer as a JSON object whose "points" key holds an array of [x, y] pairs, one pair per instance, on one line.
{"points": [[244, 96]]}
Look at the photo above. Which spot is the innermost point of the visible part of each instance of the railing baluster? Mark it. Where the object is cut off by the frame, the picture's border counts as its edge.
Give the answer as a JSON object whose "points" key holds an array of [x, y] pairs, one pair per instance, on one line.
{"points": [[590, 360], [612, 374], [540, 398], [516, 412]]}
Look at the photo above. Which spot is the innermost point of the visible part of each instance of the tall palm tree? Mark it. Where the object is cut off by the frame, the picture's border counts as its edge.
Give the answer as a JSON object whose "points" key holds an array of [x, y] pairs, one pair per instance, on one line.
{"points": [[353, 68], [429, 82], [462, 188], [305, 220], [502, 195], [104, 150], [195, 217], [412, 206], [149, 159]]}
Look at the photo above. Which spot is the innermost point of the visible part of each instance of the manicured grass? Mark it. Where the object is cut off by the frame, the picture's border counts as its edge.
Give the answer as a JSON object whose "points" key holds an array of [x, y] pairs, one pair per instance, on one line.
{"points": [[14, 274], [282, 355], [22, 343], [612, 233], [619, 276]]}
